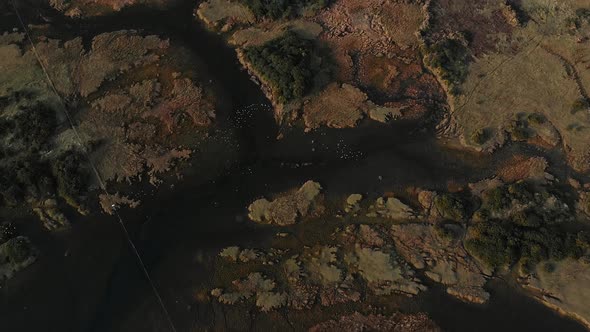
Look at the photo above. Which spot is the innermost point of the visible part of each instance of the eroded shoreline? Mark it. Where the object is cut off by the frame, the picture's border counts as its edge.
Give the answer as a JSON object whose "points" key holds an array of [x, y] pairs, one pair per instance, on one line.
{"points": [[265, 170]]}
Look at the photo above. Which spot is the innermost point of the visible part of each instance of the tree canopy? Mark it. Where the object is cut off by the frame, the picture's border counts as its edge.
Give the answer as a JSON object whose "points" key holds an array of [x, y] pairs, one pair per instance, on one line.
{"points": [[285, 63]]}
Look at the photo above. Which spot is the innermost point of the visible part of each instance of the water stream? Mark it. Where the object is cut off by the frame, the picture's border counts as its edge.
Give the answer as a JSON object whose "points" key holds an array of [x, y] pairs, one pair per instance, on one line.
{"points": [[87, 279]]}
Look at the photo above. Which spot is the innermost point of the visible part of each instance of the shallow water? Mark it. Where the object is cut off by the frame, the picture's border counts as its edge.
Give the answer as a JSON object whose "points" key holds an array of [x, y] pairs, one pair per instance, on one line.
{"points": [[88, 280]]}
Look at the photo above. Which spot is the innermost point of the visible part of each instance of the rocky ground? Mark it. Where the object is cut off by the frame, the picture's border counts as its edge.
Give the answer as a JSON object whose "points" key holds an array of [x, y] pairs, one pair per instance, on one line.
{"points": [[377, 66], [371, 63], [130, 111], [124, 112], [501, 71], [364, 249]]}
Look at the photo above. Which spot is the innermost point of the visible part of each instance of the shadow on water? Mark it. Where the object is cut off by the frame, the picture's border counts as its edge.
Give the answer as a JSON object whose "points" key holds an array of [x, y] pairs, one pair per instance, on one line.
{"points": [[509, 310], [99, 286]]}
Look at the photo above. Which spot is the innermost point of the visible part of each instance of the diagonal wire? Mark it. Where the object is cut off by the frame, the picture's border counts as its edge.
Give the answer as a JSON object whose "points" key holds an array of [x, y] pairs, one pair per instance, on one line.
{"points": [[95, 170]]}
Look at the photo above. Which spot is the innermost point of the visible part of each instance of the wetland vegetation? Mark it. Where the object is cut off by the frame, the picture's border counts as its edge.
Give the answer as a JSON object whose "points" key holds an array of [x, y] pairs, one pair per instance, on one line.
{"points": [[391, 185]]}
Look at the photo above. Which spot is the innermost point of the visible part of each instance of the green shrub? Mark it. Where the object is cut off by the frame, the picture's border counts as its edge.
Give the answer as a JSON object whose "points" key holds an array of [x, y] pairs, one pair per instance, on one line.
{"points": [[481, 214], [448, 233], [549, 267], [580, 105], [25, 176], [536, 118], [527, 219], [284, 62], [494, 243], [582, 15], [35, 126], [520, 134], [451, 58], [499, 243], [276, 9], [18, 250], [480, 136], [520, 191], [496, 199], [449, 207], [583, 240], [71, 176]]}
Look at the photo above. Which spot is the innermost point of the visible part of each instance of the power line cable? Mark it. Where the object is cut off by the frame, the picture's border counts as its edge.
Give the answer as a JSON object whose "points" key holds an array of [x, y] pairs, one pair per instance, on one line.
{"points": [[94, 169]]}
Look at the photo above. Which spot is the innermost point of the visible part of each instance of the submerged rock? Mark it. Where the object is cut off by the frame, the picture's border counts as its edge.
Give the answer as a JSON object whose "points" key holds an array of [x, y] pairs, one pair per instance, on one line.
{"points": [[352, 204], [384, 114], [256, 284], [230, 253], [15, 254]]}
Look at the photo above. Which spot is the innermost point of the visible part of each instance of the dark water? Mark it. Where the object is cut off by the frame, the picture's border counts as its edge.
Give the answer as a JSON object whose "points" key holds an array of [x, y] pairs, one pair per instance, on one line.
{"points": [[88, 280]]}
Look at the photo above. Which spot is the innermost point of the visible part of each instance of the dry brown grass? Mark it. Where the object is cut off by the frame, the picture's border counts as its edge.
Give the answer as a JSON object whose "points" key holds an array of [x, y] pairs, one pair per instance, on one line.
{"points": [[485, 20], [521, 168], [565, 286], [336, 106], [131, 109], [373, 47], [224, 14], [519, 70]]}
